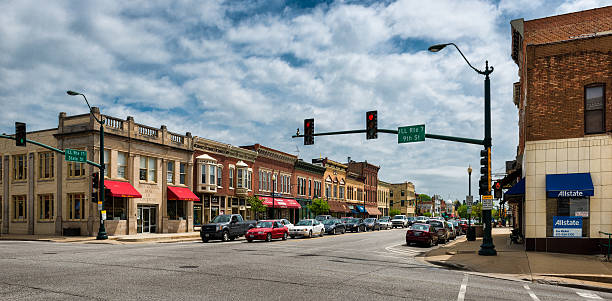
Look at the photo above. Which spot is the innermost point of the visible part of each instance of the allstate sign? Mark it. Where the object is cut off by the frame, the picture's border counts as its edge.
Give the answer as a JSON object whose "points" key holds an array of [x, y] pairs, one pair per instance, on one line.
{"points": [[570, 193], [567, 226]]}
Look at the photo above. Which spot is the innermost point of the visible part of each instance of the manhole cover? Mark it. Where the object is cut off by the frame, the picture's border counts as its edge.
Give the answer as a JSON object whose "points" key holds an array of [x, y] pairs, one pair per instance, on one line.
{"points": [[189, 267]]}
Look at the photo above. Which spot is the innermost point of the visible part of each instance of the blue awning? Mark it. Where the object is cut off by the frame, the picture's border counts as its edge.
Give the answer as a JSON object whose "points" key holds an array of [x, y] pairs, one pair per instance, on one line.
{"points": [[361, 208], [569, 185], [517, 189], [354, 211]]}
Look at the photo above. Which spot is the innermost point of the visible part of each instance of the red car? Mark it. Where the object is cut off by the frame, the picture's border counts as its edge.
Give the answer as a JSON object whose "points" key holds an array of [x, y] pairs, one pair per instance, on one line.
{"points": [[423, 234], [267, 230]]}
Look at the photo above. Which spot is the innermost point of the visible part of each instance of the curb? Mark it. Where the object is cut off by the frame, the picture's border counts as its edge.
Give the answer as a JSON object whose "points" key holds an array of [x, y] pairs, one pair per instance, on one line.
{"points": [[452, 266], [559, 282]]}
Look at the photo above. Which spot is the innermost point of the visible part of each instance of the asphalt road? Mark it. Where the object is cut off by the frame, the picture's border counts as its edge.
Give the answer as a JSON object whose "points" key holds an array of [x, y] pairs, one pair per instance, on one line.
{"points": [[360, 266]]}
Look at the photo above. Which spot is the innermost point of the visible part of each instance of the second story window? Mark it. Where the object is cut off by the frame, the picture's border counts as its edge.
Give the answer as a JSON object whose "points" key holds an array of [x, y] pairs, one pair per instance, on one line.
{"points": [[148, 169], [203, 173], [342, 192], [231, 177], [170, 172], [45, 165], [106, 162], [183, 173], [219, 174], [20, 167], [76, 170], [250, 180], [211, 171], [594, 108], [240, 177], [122, 163]]}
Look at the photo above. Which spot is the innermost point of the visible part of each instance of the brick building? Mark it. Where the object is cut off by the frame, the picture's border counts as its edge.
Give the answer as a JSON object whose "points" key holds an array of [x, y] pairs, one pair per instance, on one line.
{"points": [[147, 177], [369, 173], [563, 169], [308, 179], [403, 198], [334, 185]]}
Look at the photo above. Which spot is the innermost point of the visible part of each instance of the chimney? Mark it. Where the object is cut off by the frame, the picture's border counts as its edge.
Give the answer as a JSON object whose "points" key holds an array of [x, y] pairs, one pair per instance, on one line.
{"points": [[349, 160]]}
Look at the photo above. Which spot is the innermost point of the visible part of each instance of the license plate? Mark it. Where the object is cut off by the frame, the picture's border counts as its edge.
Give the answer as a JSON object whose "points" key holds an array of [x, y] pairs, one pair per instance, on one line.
{"points": [[206, 235], [417, 233], [251, 235]]}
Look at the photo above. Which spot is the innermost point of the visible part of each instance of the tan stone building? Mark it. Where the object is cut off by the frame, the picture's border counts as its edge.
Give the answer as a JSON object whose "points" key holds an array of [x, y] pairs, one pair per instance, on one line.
{"points": [[147, 179], [402, 197], [383, 196], [334, 185]]}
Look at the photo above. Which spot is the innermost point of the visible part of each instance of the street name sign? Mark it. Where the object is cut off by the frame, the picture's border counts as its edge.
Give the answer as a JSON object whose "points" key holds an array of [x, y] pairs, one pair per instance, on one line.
{"points": [[469, 200], [487, 202], [567, 226], [75, 155], [413, 133]]}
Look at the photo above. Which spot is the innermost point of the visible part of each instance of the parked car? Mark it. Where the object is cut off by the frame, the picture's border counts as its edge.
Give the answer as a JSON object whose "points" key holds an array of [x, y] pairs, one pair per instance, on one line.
{"points": [[411, 220], [267, 230], [307, 227], [422, 234], [399, 221], [422, 219], [334, 226], [440, 229], [323, 217], [385, 222], [371, 224], [457, 226], [355, 225], [450, 228], [225, 227], [286, 223]]}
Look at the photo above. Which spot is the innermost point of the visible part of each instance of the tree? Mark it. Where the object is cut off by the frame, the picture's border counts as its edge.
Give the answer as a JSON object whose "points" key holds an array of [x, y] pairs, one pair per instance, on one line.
{"points": [[394, 212], [477, 211], [256, 205], [462, 211], [319, 206], [428, 214], [424, 198]]}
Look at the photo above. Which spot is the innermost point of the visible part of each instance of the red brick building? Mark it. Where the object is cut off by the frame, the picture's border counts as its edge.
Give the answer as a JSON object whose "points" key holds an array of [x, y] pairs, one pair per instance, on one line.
{"points": [[308, 179], [369, 172], [564, 153]]}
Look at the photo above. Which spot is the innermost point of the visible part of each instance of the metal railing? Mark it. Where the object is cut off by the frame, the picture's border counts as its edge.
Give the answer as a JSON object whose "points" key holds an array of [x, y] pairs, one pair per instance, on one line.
{"points": [[607, 245]]}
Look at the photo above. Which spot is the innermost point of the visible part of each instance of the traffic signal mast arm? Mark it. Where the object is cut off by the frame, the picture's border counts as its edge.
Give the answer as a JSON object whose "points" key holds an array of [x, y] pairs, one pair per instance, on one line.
{"points": [[49, 148], [430, 136]]}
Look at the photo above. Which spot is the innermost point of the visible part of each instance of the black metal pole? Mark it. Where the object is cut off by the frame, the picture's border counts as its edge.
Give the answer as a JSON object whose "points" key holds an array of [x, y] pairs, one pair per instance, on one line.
{"points": [[273, 190], [102, 191], [487, 248]]}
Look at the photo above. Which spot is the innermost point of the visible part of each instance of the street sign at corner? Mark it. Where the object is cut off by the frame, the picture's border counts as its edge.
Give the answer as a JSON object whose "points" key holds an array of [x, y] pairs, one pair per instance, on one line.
{"points": [[75, 155], [413, 133]]}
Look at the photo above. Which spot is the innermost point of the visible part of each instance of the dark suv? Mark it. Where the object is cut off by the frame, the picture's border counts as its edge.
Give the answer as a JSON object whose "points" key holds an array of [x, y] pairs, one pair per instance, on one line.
{"points": [[441, 229], [355, 225]]}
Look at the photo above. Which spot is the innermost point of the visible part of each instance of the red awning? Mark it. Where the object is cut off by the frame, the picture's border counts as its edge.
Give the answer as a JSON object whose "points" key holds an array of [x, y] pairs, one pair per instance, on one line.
{"points": [[280, 202], [336, 206], [181, 194], [373, 210], [121, 189]]}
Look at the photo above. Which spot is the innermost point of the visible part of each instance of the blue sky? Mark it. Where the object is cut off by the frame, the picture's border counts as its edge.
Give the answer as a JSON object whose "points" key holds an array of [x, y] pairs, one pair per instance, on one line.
{"points": [[250, 72]]}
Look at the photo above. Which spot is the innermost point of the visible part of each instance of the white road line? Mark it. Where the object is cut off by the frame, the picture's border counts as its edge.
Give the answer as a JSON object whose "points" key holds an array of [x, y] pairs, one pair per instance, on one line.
{"points": [[463, 288], [589, 295], [531, 294]]}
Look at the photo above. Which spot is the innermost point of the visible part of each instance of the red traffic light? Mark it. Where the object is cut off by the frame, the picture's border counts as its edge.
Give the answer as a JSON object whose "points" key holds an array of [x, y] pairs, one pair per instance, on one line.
{"points": [[307, 124], [370, 117], [497, 185]]}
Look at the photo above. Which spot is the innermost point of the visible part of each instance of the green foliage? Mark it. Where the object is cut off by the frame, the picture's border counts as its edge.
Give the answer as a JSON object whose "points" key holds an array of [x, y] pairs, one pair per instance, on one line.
{"points": [[477, 211], [495, 214], [256, 205], [394, 212], [428, 214], [462, 211], [424, 198], [319, 206]]}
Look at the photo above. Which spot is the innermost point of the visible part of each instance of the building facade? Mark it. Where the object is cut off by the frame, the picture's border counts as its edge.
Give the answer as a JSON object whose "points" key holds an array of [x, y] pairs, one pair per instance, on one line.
{"points": [[564, 150], [369, 173], [402, 198], [384, 189], [308, 179], [334, 185], [223, 180], [147, 179]]}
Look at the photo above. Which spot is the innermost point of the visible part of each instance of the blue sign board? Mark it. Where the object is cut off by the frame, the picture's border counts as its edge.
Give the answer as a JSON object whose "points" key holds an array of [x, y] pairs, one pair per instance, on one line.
{"points": [[567, 226]]}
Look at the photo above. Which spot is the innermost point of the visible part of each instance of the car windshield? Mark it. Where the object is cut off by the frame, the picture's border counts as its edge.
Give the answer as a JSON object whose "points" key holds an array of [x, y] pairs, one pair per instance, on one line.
{"points": [[435, 223], [422, 217], [420, 227], [304, 223], [411, 218], [353, 220], [221, 219], [384, 219], [329, 222], [398, 217], [321, 217], [264, 225], [369, 220]]}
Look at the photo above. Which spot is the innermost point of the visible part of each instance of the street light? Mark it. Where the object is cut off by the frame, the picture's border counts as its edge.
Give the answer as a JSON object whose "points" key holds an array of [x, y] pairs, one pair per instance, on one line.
{"points": [[102, 230], [487, 248]]}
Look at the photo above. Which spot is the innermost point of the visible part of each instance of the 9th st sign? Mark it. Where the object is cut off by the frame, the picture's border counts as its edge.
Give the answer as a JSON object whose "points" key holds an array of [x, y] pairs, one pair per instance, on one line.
{"points": [[75, 155], [413, 133]]}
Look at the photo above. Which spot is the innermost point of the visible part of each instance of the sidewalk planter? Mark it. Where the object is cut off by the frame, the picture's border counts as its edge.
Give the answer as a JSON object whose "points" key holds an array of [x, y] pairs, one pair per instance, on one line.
{"points": [[471, 234], [479, 230]]}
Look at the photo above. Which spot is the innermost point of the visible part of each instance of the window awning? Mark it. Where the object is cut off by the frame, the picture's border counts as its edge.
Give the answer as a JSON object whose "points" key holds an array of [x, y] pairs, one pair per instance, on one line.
{"points": [[360, 208], [336, 206], [280, 202], [517, 189], [181, 194], [569, 185], [373, 210], [121, 189]]}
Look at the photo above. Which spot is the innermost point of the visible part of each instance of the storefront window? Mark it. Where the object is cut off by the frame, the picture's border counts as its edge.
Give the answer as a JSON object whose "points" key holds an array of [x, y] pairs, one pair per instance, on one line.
{"points": [[567, 207], [116, 208], [176, 210]]}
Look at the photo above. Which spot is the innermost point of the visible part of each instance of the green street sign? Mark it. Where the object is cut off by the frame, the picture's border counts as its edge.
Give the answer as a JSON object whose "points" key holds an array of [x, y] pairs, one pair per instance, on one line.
{"points": [[75, 155], [413, 133]]}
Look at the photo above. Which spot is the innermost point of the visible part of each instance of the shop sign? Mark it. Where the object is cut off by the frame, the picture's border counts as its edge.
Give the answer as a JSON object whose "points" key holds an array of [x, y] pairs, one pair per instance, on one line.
{"points": [[570, 193], [567, 226], [582, 213]]}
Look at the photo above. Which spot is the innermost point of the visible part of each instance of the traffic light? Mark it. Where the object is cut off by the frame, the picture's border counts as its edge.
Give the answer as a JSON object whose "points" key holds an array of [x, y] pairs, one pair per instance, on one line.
{"points": [[485, 172], [309, 131], [372, 125], [20, 134], [95, 185], [497, 190]]}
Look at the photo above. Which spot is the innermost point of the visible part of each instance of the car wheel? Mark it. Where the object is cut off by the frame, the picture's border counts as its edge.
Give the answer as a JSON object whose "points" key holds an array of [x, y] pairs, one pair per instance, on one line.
{"points": [[285, 236], [269, 237], [322, 232], [334, 231], [204, 239], [310, 234], [232, 238], [249, 240], [430, 244], [225, 236], [343, 231], [292, 236]]}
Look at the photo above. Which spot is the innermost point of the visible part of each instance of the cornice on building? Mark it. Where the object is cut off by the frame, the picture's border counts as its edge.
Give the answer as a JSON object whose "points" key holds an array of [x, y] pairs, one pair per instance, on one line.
{"points": [[228, 150], [270, 153]]}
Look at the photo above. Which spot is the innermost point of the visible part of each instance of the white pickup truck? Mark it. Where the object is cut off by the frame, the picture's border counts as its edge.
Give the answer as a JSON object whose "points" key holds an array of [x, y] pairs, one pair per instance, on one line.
{"points": [[399, 221]]}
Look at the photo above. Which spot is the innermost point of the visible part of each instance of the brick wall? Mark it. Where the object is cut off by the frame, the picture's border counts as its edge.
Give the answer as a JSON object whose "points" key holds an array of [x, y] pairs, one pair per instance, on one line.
{"points": [[564, 27]]}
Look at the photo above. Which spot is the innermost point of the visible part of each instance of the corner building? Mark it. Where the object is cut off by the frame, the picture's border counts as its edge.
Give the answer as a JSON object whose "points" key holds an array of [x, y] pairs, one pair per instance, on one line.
{"points": [[564, 156], [147, 179]]}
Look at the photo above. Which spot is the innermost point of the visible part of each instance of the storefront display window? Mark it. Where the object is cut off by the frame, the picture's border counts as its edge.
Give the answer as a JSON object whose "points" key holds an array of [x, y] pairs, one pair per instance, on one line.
{"points": [[116, 208], [567, 207], [176, 210]]}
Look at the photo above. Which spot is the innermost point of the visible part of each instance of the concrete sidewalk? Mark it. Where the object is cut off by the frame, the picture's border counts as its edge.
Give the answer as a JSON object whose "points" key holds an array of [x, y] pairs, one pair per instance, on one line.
{"points": [[512, 261], [144, 237]]}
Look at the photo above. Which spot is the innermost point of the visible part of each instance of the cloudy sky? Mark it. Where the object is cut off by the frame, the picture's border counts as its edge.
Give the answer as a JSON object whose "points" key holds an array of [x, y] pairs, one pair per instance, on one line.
{"points": [[251, 72]]}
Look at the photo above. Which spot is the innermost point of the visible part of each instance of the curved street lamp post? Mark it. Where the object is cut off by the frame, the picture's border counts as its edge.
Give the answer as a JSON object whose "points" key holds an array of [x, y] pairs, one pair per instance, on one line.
{"points": [[487, 248]]}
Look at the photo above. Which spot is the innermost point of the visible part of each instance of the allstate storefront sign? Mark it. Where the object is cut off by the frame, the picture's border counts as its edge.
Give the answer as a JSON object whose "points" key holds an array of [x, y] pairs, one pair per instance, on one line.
{"points": [[567, 226], [570, 194]]}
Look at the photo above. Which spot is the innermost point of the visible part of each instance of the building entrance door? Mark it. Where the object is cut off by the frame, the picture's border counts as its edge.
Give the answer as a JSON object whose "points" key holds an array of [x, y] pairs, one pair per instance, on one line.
{"points": [[197, 215], [146, 220]]}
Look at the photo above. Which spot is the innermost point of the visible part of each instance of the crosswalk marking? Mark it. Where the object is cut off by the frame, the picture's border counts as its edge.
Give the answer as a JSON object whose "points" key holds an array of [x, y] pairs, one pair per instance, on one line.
{"points": [[589, 295], [463, 288], [531, 294]]}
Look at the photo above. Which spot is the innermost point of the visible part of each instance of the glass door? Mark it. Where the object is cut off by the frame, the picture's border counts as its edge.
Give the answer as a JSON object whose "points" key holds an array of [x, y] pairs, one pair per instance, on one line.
{"points": [[197, 215], [146, 220], [139, 220]]}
